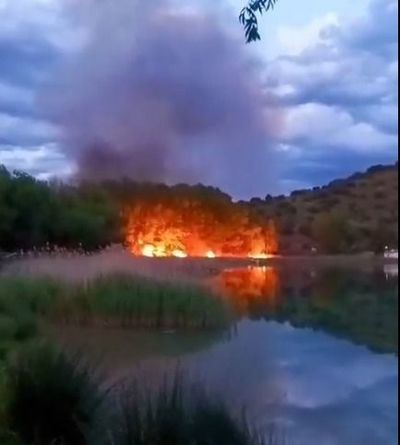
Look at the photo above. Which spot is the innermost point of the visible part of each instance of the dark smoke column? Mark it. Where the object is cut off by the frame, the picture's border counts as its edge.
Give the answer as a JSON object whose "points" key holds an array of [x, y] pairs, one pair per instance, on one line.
{"points": [[164, 94]]}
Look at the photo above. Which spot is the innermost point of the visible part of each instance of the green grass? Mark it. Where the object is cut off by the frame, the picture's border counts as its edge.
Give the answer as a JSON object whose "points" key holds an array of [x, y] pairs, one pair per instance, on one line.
{"points": [[112, 301], [115, 300], [175, 414], [50, 398], [125, 301], [22, 302]]}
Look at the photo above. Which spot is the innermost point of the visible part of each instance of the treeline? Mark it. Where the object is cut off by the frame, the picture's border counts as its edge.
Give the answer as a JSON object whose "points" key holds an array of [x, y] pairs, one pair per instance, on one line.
{"points": [[37, 214], [352, 215]]}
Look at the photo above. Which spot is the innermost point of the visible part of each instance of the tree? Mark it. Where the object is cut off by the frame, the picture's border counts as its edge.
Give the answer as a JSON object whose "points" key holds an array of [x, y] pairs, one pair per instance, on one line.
{"points": [[248, 17], [331, 232]]}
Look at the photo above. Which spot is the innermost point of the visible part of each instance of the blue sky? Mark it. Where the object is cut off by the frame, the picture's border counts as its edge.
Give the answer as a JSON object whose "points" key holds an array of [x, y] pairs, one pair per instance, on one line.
{"points": [[330, 67]]}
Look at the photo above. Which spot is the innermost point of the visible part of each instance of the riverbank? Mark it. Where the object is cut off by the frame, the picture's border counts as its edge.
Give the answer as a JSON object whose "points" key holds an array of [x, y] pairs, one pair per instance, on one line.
{"points": [[78, 265]]}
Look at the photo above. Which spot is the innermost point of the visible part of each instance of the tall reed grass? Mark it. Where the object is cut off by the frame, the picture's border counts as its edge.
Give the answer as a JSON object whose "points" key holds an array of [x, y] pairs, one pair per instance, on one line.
{"points": [[49, 397], [175, 414], [52, 398], [115, 300], [126, 301]]}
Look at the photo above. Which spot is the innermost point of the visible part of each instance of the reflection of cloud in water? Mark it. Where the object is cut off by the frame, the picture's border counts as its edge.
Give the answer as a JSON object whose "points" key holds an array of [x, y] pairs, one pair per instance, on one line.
{"points": [[323, 390]]}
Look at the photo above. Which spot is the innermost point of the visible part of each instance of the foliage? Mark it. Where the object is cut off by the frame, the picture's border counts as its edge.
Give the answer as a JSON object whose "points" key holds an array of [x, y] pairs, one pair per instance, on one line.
{"points": [[36, 214], [362, 209], [331, 233], [112, 300], [178, 415], [248, 17], [53, 398], [126, 301], [88, 216], [50, 398]]}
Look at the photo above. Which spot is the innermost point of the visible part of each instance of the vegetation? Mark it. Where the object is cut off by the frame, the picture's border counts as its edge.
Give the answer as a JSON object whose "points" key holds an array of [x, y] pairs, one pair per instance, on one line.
{"points": [[248, 17], [350, 215], [176, 414], [36, 214], [114, 300], [123, 300], [51, 398]]}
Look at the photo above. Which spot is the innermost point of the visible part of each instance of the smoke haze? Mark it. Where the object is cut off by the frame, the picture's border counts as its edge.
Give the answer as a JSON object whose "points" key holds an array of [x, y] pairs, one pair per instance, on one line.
{"points": [[164, 93]]}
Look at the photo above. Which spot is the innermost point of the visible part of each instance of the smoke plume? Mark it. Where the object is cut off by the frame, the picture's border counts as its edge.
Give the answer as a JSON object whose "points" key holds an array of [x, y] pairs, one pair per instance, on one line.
{"points": [[164, 93]]}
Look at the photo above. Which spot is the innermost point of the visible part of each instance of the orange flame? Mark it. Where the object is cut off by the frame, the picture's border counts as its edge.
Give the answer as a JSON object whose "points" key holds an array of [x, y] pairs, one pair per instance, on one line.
{"points": [[162, 231]]}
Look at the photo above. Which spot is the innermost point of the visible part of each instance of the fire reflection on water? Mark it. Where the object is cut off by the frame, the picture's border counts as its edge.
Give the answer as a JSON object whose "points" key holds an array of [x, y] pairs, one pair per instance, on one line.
{"points": [[248, 286]]}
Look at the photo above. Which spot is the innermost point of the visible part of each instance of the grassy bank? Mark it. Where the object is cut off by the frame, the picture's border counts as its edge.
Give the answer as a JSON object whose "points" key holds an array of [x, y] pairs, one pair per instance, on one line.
{"points": [[50, 398], [114, 300], [41, 387]]}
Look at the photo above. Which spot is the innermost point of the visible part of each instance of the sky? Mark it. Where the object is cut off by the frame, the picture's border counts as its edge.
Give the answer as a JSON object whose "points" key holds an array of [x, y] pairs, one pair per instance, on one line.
{"points": [[319, 102]]}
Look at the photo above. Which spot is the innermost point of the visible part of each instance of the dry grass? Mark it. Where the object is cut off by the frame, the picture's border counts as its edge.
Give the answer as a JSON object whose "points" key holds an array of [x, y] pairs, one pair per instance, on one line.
{"points": [[74, 268]]}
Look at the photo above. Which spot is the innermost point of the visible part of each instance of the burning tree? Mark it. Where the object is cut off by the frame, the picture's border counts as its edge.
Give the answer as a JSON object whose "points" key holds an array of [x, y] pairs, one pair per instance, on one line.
{"points": [[196, 221]]}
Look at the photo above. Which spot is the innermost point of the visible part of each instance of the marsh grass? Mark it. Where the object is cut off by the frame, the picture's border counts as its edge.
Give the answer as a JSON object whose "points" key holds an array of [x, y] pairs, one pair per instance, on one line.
{"points": [[175, 414], [126, 301], [22, 302], [49, 397], [53, 398], [117, 300]]}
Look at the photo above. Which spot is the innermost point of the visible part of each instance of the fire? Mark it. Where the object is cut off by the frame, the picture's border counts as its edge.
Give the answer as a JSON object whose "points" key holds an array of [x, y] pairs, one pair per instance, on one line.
{"points": [[148, 250], [249, 287], [198, 229], [179, 253]]}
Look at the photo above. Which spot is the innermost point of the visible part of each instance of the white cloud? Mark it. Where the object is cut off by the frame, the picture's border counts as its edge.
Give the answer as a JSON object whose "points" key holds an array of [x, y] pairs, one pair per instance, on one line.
{"points": [[338, 81], [13, 128], [42, 17], [43, 161], [294, 40], [319, 124]]}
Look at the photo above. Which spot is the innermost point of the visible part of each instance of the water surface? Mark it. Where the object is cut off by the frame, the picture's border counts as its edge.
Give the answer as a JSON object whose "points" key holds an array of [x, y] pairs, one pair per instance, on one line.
{"points": [[312, 352]]}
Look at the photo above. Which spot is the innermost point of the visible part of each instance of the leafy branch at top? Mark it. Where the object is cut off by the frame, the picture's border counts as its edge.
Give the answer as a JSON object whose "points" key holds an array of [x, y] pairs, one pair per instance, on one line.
{"points": [[248, 17]]}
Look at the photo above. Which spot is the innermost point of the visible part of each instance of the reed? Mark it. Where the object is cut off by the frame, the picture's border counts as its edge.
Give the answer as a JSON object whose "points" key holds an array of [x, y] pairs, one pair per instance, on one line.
{"points": [[127, 301], [50, 398], [115, 300], [177, 414]]}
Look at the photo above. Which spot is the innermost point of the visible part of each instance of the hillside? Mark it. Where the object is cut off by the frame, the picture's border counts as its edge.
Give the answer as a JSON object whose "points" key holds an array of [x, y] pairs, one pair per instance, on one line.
{"points": [[359, 213]]}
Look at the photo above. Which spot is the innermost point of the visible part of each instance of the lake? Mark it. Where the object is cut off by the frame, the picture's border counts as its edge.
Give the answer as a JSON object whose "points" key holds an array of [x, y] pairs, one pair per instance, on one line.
{"points": [[311, 356]]}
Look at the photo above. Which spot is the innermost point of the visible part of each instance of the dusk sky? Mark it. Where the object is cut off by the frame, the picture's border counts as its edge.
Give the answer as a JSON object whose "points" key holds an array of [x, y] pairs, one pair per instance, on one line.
{"points": [[315, 100]]}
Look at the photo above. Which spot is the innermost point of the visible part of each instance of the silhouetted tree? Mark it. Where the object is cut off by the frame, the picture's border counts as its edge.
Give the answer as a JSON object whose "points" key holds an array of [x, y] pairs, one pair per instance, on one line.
{"points": [[248, 17]]}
